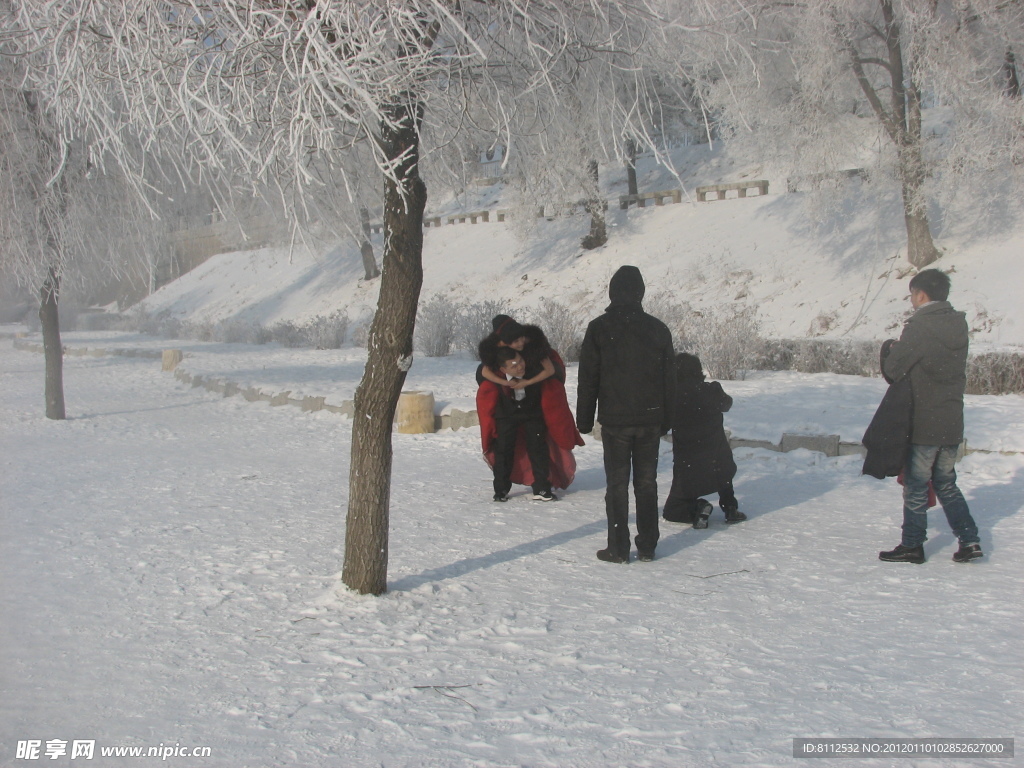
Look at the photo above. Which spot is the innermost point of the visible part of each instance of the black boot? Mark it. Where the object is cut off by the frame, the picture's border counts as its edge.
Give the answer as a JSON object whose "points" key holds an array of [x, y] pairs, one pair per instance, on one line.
{"points": [[967, 552], [903, 555], [704, 509], [733, 514], [612, 557]]}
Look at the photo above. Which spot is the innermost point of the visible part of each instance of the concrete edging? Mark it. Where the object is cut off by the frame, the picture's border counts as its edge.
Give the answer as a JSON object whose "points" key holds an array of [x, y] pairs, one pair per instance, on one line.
{"points": [[456, 419]]}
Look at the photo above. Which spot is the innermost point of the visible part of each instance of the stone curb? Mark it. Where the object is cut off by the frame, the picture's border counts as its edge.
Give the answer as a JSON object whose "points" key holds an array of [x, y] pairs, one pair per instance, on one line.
{"points": [[456, 419], [28, 346]]}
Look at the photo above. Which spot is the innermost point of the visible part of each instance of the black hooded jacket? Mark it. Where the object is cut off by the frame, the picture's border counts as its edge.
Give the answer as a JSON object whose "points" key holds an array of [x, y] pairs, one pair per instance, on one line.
{"points": [[627, 365]]}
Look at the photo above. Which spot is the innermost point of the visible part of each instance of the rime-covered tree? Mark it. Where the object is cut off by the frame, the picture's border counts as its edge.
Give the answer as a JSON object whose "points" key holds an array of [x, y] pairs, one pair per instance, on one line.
{"points": [[803, 78], [37, 171], [265, 88]]}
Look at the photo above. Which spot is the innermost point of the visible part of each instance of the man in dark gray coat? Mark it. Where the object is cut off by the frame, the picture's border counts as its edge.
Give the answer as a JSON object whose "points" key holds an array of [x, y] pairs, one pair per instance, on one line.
{"points": [[627, 375], [932, 351]]}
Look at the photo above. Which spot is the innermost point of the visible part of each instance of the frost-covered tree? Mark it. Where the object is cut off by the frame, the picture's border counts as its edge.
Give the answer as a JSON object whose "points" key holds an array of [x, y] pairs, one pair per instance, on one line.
{"points": [[37, 173], [265, 88], [802, 80]]}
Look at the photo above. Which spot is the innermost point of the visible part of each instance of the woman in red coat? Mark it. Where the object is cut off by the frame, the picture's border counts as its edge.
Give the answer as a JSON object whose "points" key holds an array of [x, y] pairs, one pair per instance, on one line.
{"points": [[544, 369]]}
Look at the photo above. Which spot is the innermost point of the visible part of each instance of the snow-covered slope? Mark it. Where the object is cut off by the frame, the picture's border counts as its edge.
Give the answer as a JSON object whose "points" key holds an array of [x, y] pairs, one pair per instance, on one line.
{"points": [[834, 268]]}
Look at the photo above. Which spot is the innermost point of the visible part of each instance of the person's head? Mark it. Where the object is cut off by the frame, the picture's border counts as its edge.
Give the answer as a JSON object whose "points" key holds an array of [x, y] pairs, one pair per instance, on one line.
{"points": [[688, 367], [626, 286], [510, 333], [510, 362], [929, 285]]}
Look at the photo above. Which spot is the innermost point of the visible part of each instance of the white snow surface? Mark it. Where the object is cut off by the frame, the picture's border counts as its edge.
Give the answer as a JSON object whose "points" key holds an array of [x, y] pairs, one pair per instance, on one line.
{"points": [[170, 558], [170, 565]]}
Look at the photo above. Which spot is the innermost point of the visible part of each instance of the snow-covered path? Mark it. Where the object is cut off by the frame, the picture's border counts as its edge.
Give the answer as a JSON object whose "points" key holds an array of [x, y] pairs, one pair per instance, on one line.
{"points": [[169, 561]]}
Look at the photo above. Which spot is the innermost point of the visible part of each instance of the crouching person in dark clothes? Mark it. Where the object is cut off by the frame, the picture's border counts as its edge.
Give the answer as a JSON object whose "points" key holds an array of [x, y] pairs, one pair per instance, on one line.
{"points": [[702, 460]]}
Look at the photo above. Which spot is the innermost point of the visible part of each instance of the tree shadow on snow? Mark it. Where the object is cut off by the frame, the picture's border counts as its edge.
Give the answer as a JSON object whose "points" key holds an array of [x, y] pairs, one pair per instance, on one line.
{"points": [[469, 564]]}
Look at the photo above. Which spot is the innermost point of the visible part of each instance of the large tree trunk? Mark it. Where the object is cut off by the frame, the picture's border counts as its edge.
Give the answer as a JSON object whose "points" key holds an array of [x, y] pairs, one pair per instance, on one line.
{"points": [[366, 248], [598, 235], [903, 124], [921, 250], [53, 351], [389, 356]]}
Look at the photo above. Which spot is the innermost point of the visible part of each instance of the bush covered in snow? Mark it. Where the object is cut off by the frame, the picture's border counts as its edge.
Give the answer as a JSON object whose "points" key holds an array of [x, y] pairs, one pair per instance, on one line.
{"points": [[437, 322], [563, 326], [475, 322]]}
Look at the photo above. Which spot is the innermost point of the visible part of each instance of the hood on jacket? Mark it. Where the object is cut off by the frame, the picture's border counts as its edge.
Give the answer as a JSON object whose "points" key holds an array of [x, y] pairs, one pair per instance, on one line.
{"points": [[947, 325], [626, 287]]}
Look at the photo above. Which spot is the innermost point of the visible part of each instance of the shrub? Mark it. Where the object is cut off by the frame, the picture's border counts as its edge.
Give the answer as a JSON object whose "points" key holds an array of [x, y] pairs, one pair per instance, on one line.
{"points": [[436, 322], [201, 330], [328, 332], [563, 327], [240, 332], [475, 322], [288, 334], [361, 332], [727, 341], [854, 358], [995, 373], [674, 313]]}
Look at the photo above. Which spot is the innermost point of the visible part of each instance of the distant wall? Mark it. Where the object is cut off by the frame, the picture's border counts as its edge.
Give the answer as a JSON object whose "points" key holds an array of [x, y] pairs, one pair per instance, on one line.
{"points": [[192, 246]]}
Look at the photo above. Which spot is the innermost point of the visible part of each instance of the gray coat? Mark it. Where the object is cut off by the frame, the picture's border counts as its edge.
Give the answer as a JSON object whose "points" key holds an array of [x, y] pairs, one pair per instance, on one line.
{"points": [[933, 349]]}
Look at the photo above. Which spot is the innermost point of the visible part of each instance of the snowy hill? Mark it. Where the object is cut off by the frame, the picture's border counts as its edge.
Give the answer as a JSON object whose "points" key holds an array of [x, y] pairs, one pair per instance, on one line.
{"points": [[810, 264]]}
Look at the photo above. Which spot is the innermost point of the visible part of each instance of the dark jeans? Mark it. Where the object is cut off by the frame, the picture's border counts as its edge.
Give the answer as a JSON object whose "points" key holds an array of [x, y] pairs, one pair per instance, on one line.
{"points": [[536, 434], [633, 449], [935, 463]]}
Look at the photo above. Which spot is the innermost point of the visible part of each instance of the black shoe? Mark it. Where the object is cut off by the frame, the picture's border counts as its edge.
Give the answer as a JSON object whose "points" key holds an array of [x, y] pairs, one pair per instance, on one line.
{"points": [[645, 556], [733, 514], [704, 508], [501, 497], [675, 516], [903, 555], [612, 557], [544, 496], [967, 552]]}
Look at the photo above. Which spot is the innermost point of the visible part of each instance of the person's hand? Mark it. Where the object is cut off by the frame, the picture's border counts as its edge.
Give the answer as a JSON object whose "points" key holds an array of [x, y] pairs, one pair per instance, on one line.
{"points": [[517, 383]]}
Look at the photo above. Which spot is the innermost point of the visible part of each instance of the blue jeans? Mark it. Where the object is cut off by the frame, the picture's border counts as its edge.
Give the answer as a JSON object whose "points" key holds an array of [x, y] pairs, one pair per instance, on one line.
{"points": [[935, 463], [631, 450]]}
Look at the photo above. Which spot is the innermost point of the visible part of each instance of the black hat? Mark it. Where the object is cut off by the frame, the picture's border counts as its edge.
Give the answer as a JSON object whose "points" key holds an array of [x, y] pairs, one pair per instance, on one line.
{"points": [[510, 330], [498, 321], [689, 367], [626, 286]]}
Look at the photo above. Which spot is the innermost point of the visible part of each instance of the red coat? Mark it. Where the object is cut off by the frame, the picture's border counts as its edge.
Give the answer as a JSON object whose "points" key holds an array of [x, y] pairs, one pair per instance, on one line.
{"points": [[562, 433]]}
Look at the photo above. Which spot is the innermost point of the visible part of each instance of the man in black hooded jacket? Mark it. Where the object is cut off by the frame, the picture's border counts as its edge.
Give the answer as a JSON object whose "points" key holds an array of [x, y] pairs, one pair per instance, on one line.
{"points": [[627, 375]]}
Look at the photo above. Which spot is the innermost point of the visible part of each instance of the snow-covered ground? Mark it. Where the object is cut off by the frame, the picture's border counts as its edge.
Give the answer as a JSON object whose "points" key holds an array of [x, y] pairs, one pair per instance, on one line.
{"points": [[170, 566]]}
